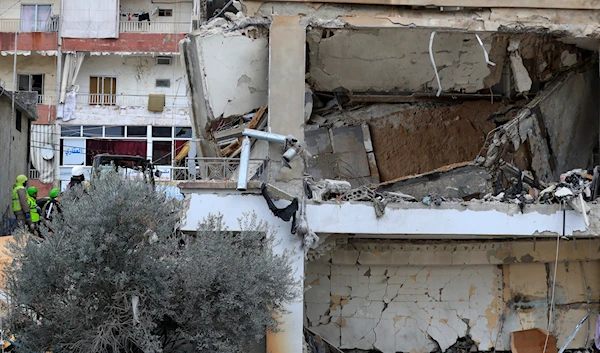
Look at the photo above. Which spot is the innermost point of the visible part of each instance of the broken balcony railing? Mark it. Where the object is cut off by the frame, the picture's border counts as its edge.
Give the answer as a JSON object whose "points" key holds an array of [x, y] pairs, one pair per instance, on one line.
{"points": [[220, 169]]}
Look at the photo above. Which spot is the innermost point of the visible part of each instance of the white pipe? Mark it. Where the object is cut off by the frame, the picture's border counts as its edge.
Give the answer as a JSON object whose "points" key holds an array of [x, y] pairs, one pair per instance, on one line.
{"points": [[437, 76], [261, 135], [242, 183], [485, 53]]}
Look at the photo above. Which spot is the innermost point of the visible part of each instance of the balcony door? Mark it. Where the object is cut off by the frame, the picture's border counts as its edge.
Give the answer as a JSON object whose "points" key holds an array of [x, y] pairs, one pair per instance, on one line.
{"points": [[36, 18], [103, 90]]}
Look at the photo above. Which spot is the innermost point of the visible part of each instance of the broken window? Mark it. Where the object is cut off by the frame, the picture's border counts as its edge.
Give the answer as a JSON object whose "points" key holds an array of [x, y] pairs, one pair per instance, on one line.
{"points": [[32, 82]]}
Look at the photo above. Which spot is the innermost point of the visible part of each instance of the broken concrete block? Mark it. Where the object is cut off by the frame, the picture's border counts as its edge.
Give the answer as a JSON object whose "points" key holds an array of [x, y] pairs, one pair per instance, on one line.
{"points": [[462, 181], [318, 141], [348, 139]]}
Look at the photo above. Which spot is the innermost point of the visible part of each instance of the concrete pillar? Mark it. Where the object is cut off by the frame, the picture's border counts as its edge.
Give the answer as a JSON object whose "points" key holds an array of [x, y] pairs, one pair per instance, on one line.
{"points": [[287, 56], [287, 53]]}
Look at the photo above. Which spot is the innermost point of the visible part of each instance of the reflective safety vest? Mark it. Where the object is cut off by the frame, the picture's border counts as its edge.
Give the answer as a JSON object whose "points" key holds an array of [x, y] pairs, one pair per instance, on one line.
{"points": [[16, 205], [35, 216]]}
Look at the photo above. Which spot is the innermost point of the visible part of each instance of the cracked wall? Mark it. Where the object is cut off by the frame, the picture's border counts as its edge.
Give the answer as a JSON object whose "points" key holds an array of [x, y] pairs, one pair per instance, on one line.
{"points": [[358, 299], [388, 59]]}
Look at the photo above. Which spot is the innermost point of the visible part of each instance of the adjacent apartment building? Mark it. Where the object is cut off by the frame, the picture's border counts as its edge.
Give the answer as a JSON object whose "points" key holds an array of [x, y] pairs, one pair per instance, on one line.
{"points": [[108, 79], [443, 191]]}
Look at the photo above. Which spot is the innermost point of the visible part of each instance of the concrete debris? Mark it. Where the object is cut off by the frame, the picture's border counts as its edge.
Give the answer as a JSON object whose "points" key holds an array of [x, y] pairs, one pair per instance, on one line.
{"points": [[327, 189], [520, 74], [314, 343]]}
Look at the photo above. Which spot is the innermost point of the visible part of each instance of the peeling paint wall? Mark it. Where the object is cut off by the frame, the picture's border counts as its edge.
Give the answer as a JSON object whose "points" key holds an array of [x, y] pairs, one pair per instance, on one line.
{"points": [[358, 299], [31, 64]]}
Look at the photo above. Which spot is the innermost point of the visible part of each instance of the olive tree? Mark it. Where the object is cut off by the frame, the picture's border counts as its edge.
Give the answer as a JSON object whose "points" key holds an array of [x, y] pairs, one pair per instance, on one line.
{"points": [[114, 274]]}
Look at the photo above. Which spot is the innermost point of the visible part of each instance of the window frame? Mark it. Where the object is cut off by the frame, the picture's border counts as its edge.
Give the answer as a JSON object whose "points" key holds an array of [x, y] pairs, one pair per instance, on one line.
{"points": [[167, 81], [165, 12]]}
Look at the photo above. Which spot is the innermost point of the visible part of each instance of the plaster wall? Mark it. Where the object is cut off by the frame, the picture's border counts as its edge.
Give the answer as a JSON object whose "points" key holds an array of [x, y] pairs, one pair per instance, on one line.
{"points": [[423, 308], [136, 79], [31, 64], [235, 72], [448, 220]]}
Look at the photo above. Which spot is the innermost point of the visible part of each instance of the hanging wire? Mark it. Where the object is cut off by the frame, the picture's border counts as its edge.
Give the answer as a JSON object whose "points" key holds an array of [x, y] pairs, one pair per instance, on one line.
{"points": [[551, 314]]}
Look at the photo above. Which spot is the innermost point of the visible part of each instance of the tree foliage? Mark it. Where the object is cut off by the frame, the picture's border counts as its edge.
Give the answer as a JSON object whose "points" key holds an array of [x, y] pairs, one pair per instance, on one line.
{"points": [[117, 276]]}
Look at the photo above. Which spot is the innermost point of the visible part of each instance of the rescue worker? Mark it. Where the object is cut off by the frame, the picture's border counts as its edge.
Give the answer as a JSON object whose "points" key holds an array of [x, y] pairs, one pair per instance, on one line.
{"points": [[20, 202], [33, 208], [77, 177], [51, 207]]}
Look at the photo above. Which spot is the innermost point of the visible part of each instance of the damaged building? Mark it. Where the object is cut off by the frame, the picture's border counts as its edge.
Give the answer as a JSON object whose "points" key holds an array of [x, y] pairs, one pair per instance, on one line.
{"points": [[433, 164]]}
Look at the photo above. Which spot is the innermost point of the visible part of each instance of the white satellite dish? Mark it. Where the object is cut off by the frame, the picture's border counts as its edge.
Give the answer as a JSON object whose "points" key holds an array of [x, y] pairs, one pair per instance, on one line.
{"points": [[47, 152]]}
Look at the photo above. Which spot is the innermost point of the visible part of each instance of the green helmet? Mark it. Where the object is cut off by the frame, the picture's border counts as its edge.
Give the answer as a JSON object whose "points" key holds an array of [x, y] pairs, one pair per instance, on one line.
{"points": [[21, 179], [54, 193], [32, 190]]}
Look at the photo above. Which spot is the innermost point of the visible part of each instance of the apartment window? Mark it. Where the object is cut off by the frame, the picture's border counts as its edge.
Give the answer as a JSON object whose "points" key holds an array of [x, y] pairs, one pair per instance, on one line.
{"points": [[162, 132], [70, 131], [114, 131], [163, 83], [31, 82], [163, 60], [161, 152], [19, 122], [103, 90], [165, 13], [137, 131], [36, 18], [92, 131]]}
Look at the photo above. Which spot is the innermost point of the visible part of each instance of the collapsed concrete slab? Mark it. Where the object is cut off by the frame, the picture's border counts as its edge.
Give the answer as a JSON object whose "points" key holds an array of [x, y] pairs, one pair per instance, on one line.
{"points": [[462, 181], [231, 67], [559, 127]]}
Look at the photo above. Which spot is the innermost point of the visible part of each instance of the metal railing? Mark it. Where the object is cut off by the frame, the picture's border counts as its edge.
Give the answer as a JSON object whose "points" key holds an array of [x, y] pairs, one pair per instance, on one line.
{"points": [[34, 174], [45, 99], [221, 169], [16, 25], [121, 100], [154, 27]]}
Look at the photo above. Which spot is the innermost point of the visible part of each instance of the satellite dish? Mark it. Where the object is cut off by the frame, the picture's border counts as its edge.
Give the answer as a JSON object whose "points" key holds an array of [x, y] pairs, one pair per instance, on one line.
{"points": [[47, 152]]}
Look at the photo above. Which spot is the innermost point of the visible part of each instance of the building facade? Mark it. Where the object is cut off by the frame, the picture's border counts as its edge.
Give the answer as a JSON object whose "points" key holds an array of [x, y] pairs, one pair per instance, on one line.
{"points": [[108, 78], [437, 143]]}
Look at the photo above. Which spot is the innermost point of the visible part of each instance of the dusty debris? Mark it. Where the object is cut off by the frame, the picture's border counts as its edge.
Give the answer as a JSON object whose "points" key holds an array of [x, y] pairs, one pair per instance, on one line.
{"points": [[326, 189]]}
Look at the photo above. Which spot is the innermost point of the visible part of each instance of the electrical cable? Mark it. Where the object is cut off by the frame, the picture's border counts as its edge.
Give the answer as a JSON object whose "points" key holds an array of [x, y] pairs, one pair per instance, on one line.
{"points": [[551, 314]]}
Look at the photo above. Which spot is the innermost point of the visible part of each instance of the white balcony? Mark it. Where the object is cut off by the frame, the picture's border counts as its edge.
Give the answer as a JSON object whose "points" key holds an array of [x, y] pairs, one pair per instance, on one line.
{"points": [[120, 100], [45, 99], [154, 27], [16, 25]]}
